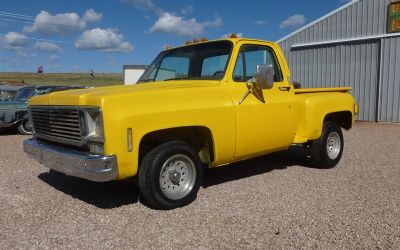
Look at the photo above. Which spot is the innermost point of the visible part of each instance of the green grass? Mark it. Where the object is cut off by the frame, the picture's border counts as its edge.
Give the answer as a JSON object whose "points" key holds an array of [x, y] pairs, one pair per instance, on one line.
{"points": [[71, 79]]}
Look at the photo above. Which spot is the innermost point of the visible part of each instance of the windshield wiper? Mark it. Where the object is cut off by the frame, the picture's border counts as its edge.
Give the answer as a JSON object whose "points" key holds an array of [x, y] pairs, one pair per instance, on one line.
{"points": [[146, 80], [177, 78]]}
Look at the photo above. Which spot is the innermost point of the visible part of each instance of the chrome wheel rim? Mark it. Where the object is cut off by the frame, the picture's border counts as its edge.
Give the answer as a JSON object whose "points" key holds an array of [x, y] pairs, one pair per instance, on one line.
{"points": [[177, 177], [333, 145]]}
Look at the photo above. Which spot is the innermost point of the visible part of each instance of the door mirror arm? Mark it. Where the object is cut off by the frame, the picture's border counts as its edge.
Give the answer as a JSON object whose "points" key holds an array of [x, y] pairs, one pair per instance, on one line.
{"points": [[263, 79]]}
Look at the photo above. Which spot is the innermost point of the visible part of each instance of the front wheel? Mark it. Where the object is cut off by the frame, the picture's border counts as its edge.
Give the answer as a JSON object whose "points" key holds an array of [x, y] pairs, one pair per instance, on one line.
{"points": [[326, 151], [170, 175], [24, 128]]}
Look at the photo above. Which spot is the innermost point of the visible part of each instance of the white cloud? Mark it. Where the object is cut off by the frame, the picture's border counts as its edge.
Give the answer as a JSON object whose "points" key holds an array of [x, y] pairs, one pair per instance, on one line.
{"points": [[108, 40], [47, 47], [142, 4], [259, 22], [216, 23], [187, 10], [173, 24], [293, 21], [25, 55], [14, 41], [54, 58], [229, 35], [64, 23], [91, 16]]}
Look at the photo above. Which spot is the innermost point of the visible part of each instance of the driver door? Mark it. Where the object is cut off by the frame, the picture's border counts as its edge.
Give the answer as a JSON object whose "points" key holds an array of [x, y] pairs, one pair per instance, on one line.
{"points": [[261, 127]]}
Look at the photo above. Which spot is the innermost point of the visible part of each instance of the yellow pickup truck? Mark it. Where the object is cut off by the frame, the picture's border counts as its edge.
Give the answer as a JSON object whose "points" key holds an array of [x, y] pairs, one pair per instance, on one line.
{"points": [[205, 104]]}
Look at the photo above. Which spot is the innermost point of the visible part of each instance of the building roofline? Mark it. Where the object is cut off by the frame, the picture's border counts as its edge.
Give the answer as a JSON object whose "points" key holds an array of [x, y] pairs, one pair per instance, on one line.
{"points": [[319, 20], [347, 40]]}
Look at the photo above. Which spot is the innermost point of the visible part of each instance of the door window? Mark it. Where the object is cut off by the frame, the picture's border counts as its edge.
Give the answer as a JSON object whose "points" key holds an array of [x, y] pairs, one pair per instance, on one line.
{"points": [[249, 57]]}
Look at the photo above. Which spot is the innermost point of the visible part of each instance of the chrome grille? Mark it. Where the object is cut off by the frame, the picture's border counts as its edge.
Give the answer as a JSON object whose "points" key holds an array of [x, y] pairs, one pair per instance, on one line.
{"points": [[58, 124]]}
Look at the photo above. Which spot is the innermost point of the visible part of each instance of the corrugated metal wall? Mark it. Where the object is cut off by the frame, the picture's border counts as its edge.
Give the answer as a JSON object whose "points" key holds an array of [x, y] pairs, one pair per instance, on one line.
{"points": [[390, 81], [355, 64]]}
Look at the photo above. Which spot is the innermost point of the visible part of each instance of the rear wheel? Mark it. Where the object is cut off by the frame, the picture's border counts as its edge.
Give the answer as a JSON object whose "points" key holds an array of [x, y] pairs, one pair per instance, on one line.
{"points": [[327, 151], [25, 128], [170, 175]]}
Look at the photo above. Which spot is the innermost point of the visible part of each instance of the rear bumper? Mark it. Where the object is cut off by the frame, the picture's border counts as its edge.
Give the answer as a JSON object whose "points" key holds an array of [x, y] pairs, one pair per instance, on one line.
{"points": [[74, 163]]}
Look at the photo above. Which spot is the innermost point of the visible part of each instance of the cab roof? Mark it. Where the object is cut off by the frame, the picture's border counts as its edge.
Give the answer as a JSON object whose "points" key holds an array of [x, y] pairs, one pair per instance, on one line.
{"points": [[233, 40]]}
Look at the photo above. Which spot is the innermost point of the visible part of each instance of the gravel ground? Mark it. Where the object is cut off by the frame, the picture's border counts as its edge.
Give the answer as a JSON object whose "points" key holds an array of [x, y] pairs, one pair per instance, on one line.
{"points": [[276, 201]]}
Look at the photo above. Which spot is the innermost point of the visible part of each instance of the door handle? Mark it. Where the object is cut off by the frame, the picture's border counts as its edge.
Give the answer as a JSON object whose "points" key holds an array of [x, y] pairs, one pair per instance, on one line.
{"points": [[284, 88]]}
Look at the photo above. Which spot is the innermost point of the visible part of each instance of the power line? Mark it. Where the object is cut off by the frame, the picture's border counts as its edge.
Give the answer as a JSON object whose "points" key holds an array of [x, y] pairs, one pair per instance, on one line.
{"points": [[49, 21], [39, 39], [15, 16], [17, 21], [18, 15]]}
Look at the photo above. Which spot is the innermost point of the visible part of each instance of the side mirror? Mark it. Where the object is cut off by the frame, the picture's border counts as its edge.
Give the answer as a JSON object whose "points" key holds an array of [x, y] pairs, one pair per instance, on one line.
{"points": [[264, 76]]}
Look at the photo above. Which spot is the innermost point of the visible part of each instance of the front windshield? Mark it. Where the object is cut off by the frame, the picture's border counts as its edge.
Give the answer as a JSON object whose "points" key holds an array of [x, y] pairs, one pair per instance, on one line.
{"points": [[24, 94], [203, 61]]}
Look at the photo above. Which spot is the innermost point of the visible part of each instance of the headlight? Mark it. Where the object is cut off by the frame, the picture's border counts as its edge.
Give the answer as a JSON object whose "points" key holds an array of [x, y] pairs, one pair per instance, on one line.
{"points": [[94, 125]]}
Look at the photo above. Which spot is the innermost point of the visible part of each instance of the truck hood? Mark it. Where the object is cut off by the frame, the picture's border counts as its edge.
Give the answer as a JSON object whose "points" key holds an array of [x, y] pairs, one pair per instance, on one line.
{"points": [[97, 96], [6, 105]]}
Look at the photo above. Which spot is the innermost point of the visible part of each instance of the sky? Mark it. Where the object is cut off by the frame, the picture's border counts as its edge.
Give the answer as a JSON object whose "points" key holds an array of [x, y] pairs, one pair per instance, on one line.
{"points": [[103, 35]]}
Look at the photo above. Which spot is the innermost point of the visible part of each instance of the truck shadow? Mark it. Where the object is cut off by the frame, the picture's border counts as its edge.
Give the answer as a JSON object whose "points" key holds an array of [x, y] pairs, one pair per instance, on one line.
{"points": [[119, 193], [104, 195], [294, 156], [8, 132]]}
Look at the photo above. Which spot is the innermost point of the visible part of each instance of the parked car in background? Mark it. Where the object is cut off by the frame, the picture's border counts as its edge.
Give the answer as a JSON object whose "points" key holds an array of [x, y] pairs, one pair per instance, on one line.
{"points": [[14, 113], [8, 92]]}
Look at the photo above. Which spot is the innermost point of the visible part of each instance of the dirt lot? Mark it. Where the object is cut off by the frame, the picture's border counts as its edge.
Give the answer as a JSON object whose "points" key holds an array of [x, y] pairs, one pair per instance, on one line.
{"points": [[277, 201]]}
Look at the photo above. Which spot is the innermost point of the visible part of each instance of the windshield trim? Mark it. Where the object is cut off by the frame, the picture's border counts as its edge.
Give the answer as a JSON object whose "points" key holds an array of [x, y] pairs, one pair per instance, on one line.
{"points": [[189, 78]]}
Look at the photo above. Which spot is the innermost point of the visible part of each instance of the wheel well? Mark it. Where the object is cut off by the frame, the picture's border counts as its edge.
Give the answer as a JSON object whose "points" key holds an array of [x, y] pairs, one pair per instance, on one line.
{"points": [[343, 119], [200, 138]]}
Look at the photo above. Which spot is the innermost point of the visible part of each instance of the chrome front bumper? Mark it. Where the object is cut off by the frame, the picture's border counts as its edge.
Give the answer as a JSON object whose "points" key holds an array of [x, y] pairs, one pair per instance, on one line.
{"points": [[75, 163]]}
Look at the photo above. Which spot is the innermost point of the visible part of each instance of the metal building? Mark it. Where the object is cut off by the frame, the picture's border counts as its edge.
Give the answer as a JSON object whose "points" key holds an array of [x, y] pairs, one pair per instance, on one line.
{"points": [[357, 45], [132, 73]]}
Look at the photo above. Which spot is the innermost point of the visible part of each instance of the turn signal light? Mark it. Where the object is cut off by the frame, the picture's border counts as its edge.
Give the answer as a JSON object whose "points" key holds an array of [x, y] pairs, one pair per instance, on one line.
{"points": [[204, 39], [195, 40]]}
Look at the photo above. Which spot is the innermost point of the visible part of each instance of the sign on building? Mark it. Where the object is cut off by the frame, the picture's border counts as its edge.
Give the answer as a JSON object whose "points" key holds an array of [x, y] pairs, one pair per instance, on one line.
{"points": [[394, 17]]}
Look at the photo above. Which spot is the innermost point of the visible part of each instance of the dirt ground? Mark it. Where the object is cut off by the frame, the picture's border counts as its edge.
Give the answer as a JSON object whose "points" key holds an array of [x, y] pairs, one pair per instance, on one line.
{"points": [[276, 201]]}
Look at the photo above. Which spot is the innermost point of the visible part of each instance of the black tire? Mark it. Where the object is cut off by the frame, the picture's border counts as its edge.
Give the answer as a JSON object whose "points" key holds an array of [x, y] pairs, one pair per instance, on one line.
{"points": [[324, 151], [155, 162], [24, 128]]}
